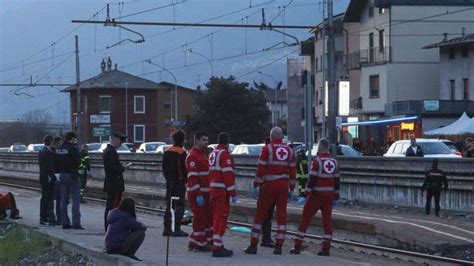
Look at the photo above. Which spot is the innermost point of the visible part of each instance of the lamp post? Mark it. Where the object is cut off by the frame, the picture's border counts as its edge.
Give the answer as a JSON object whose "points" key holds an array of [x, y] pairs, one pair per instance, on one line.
{"points": [[171, 96], [205, 57], [274, 118]]}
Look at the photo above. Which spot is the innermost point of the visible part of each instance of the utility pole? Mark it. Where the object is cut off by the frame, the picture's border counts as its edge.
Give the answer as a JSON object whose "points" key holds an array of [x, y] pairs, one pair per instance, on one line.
{"points": [[126, 109], [332, 94], [78, 94], [308, 114], [323, 84]]}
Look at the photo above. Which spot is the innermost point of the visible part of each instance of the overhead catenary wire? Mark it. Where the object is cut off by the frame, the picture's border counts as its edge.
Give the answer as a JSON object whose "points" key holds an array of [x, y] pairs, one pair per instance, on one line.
{"points": [[266, 65]]}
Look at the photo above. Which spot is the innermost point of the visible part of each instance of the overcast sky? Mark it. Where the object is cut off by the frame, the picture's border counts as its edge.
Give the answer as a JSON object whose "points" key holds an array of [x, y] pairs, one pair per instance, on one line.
{"points": [[35, 30]]}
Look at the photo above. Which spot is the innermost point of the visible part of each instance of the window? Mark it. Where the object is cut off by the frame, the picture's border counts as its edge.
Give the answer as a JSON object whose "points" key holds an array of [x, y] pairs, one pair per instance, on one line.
{"points": [[398, 148], [371, 11], [381, 10], [452, 86], [374, 86], [452, 53], [316, 64], [317, 97], [381, 40], [465, 52], [465, 89], [138, 133], [321, 61], [139, 104], [104, 104]]}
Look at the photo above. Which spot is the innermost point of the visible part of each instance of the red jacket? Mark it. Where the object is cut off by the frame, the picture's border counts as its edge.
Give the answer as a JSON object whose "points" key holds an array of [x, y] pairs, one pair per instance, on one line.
{"points": [[222, 171], [276, 161], [197, 167], [324, 176]]}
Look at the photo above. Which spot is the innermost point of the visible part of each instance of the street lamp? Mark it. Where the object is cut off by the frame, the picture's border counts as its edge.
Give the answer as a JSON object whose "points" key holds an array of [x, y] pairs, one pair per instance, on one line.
{"points": [[205, 57], [171, 96], [274, 118]]}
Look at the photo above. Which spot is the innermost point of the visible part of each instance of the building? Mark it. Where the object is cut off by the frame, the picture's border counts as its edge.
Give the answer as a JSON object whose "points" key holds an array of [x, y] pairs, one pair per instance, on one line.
{"points": [[396, 74], [277, 103], [117, 101], [295, 98]]}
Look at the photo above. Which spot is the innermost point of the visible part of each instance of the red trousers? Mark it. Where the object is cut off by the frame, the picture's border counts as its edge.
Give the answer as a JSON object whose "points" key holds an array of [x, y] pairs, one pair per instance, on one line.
{"points": [[220, 210], [271, 193], [313, 204], [202, 223]]}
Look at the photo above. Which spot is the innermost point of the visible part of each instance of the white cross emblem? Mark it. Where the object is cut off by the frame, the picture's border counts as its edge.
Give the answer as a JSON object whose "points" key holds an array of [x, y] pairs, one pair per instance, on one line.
{"points": [[281, 154], [329, 167]]}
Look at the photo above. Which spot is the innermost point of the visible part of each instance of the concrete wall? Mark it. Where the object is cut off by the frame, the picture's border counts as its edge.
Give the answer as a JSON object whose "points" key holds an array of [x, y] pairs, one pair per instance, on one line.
{"points": [[375, 179]]}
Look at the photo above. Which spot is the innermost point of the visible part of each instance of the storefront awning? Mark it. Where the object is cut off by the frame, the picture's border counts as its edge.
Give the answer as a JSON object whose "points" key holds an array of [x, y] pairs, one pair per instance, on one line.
{"points": [[380, 121]]}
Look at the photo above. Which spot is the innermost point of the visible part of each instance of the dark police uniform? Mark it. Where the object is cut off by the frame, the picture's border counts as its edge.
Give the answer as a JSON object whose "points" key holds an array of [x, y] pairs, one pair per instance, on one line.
{"points": [[434, 181], [113, 182], [47, 180]]}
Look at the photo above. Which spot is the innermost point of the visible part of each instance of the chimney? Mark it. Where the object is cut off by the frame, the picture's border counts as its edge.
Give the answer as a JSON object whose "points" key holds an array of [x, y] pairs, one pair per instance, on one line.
{"points": [[102, 66], [109, 64], [115, 66], [445, 36], [463, 31]]}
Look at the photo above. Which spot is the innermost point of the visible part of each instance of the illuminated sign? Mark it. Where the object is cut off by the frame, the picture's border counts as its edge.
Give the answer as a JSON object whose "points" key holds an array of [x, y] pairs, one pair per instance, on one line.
{"points": [[407, 126], [344, 97]]}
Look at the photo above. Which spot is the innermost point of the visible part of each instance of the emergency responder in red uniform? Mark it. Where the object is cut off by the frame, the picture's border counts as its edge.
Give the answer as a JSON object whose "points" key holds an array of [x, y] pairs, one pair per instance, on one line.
{"points": [[197, 167], [322, 190], [277, 171], [221, 166]]}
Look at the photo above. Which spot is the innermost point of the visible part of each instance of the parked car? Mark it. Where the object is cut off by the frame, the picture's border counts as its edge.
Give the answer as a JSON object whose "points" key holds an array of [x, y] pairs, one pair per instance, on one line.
{"points": [[149, 147], [343, 150], [231, 147], [452, 146], [122, 149], [18, 148], [4, 149], [94, 147], [248, 149], [35, 147], [432, 148], [162, 148], [131, 147]]}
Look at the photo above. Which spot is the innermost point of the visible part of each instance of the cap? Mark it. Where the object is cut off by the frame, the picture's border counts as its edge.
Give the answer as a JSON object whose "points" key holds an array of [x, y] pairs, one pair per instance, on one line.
{"points": [[122, 137]]}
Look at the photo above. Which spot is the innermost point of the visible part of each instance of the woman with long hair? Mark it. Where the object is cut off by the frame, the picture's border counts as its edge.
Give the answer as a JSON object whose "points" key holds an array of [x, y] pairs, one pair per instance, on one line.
{"points": [[125, 234]]}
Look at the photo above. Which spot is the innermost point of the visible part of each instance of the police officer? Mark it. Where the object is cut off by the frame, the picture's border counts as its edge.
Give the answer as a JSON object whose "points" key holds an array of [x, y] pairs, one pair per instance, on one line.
{"points": [[84, 169], [323, 189], [113, 183], [433, 184], [68, 159], [174, 171], [301, 174]]}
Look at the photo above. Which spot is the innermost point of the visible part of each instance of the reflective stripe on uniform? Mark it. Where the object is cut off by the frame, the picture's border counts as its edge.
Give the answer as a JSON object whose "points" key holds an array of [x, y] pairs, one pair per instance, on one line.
{"points": [[205, 189], [281, 227], [323, 189], [275, 177], [230, 188], [280, 236], [220, 185], [322, 175], [227, 169], [195, 187]]}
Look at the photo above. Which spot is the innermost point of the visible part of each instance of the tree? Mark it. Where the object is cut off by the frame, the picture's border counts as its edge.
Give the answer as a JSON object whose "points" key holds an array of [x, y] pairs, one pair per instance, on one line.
{"points": [[231, 106]]}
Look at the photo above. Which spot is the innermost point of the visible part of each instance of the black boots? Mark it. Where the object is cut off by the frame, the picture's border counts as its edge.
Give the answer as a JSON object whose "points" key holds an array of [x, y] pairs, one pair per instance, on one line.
{"points": [[295, 250], [323, 253], [268, 243], [277, 250], [251, 250], [222, 252]]}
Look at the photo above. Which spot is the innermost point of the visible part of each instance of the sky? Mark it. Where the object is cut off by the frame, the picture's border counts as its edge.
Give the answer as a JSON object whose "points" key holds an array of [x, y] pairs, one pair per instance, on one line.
{"points": [[37, 42]]}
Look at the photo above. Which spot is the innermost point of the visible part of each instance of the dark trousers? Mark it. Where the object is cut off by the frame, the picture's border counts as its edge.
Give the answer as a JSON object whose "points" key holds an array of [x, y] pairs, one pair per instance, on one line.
{"points": [[131, 244], [83, 183], [174, 188], [47, 193], [113, 201], [429, 195], [55, 207], [267, 226]]}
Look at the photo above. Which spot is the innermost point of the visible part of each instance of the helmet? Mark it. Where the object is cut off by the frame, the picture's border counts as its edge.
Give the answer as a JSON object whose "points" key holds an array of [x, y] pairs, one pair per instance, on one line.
{"points": [[301, 153]]}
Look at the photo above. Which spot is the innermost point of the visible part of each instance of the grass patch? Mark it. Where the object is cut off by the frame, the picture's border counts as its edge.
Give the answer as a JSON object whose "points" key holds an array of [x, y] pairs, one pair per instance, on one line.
{"points": [[17, 243]]}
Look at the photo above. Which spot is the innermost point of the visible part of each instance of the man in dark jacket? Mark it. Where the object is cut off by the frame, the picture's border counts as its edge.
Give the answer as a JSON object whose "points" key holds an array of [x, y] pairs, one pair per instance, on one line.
{"points": [[68, 161], [414, 150], [174, 171], [47, 180], [55, 210], [434, 181], [113, 183]]}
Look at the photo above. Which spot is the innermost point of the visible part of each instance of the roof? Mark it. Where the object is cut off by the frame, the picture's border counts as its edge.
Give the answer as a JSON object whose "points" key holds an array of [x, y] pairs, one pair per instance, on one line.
{"points": [[354, 9], [113, 79], [456, 41], [337, 20], [168, 84]]}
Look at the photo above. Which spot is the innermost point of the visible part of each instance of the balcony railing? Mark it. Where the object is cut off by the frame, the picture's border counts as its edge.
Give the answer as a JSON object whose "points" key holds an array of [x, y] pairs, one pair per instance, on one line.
{"points": [[368, 57], [440, 107]]}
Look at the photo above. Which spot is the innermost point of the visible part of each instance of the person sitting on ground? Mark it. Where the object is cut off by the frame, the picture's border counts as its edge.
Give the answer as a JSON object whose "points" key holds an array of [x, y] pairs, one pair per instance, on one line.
{"points": [[8, 207], [124, 234]]}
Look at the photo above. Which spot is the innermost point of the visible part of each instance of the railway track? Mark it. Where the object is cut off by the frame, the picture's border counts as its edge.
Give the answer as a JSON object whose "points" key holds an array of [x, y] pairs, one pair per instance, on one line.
{"points": [[393, 253]]}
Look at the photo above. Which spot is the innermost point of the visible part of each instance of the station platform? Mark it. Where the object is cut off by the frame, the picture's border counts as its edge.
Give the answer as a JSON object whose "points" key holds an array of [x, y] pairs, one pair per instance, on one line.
{"points": [[398, 230]]}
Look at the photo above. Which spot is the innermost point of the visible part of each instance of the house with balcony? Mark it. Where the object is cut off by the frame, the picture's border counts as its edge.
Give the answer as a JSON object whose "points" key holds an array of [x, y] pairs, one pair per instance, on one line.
{"points": [[394, 70]]}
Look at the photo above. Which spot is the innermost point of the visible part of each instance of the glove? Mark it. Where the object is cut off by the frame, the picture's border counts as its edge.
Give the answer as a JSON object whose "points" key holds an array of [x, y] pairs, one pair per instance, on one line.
{"points": [[255, 192], [234, 199], [301, 201], [200, 201], [291, 195]]}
